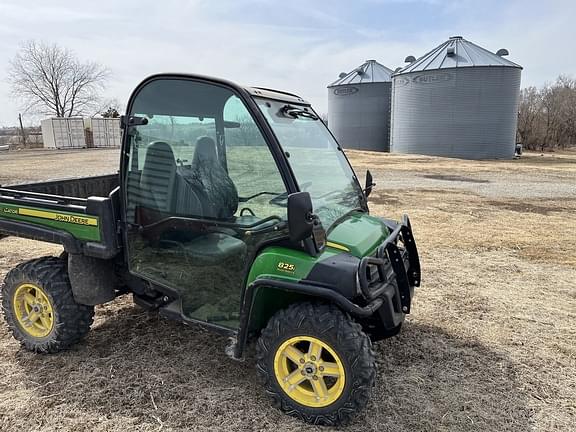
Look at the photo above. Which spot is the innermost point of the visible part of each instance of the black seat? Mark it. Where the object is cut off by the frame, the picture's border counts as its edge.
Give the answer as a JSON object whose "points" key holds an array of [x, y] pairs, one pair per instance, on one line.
{"points": [[220, 197], [161, 188], [158, 177]]}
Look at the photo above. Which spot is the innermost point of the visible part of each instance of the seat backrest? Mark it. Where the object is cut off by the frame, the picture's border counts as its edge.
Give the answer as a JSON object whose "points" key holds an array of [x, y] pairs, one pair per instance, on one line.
{"points": [[220, 192], [158, 177], [205, 153]]}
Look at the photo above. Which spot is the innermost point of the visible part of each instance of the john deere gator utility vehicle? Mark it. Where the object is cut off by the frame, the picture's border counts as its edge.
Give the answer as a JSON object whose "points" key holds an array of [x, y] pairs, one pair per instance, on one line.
{"points": [[235, 208]]}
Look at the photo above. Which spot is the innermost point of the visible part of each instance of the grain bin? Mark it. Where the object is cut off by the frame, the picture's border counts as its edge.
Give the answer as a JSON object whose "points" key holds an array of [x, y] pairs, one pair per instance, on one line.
{"points": [[359, 107], [459, 100]]}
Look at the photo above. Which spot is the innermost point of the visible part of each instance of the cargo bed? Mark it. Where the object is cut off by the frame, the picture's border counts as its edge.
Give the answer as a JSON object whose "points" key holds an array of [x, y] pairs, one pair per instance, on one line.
{"points": [[78, 187], [79, 213]]}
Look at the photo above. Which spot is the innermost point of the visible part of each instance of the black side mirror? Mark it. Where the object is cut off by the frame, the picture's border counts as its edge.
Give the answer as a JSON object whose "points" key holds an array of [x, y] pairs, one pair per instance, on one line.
{"points": [[369, 183], [300, 216]]}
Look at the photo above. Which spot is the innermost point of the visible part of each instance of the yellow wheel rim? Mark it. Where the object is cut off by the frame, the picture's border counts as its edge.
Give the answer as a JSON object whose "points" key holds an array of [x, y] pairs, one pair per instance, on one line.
{"points": [[33, 310], [309, 371]]}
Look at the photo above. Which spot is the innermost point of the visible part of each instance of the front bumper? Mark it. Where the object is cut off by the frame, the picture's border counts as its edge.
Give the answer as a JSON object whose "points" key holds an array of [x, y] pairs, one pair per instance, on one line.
{"points": [[392, 273]]}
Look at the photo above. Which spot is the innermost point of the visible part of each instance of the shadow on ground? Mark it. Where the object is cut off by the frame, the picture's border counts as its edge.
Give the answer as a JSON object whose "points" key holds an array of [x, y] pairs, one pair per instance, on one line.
{"points": [[138, 372]]}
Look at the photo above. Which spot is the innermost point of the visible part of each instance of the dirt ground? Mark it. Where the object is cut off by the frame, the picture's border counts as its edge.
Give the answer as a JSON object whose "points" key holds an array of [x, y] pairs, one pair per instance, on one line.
{"points": [[490, 344]]}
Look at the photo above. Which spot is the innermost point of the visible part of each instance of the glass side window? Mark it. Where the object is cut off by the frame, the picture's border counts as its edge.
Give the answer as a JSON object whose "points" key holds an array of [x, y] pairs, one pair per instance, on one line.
{"points": [[162, 155], [180, 132], [251, 165]]}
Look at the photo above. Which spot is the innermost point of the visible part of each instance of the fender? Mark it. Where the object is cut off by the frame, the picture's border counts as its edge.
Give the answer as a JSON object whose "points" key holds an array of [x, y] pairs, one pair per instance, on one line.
{"points": [[304, 289], [36, 232]]}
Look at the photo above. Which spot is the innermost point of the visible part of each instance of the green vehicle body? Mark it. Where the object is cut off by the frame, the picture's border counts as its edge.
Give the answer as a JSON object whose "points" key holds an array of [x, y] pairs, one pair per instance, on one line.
{"points": [[94, 227], [358, 235], [80, 226]]}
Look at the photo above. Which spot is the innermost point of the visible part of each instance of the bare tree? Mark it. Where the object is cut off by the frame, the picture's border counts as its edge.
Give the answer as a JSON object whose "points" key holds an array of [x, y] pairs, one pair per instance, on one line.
{"points": [[528, 116], [50, 80], [547, 116]]}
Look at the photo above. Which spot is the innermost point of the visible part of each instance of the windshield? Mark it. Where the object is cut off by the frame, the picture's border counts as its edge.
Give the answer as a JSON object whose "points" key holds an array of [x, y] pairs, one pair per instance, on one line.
{"points": [[319, 166]]}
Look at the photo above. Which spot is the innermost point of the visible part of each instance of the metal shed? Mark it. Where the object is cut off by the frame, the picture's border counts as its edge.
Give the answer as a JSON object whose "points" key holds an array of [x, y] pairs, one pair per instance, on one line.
{"points": [[459, 100], [105, 131], [359, 107], [63, 133]]}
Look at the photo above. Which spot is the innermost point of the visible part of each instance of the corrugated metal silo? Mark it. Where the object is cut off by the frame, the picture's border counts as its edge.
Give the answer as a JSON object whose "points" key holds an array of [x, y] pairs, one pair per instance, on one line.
{"points": [[359, 107], [458, 100]]}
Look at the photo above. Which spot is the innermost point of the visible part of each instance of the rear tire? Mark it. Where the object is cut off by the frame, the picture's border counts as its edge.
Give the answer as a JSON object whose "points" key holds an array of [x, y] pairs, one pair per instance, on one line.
{"points": [[40, 309], [293, 376]]}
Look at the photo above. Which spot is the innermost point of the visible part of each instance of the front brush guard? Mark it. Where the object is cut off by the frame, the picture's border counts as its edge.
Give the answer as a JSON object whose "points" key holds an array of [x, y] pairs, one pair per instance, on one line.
{"points": [[392, 265]]}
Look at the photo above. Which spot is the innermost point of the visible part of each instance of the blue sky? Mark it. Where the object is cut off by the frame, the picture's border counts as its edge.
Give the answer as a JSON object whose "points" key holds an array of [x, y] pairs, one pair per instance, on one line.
{"points": [[295, 45]]}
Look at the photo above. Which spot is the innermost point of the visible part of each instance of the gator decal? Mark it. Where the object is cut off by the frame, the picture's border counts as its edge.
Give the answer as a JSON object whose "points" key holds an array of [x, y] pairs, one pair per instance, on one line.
{"points": [[60, 217], [81, 226]]}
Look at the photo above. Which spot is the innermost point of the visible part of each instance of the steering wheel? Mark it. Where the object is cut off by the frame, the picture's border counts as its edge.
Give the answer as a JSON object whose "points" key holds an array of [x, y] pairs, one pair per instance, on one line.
{"points": [[247, 210]]}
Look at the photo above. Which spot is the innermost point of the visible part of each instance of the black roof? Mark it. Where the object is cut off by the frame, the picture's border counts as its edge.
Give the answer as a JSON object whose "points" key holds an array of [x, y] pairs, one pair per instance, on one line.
{"points": [[253, 91]]}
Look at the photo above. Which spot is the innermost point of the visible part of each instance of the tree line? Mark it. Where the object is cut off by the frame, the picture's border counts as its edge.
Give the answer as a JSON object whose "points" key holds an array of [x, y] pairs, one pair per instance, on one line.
{"points": [[547, 115]]}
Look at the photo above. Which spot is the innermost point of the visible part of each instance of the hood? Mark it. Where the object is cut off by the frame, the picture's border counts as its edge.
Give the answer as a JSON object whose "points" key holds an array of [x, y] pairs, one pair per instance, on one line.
{"points": [[360, 234]]}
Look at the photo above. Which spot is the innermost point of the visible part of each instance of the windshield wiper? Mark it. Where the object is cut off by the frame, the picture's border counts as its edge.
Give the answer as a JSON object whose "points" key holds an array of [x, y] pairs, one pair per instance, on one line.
{"points": [[295, 112]]}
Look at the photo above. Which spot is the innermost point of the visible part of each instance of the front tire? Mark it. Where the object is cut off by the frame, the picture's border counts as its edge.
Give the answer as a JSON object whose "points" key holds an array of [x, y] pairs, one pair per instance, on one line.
{"points": [[316, 363], [40, 309]]}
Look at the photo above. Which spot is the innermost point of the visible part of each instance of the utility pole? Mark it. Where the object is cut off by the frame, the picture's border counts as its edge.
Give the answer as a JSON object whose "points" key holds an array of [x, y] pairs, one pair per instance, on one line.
{"points": [[23, 134]]}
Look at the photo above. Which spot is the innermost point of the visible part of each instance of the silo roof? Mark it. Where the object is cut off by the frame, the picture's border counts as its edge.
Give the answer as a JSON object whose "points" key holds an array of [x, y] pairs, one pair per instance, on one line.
{"points": [[369, 72], [456, 52]]}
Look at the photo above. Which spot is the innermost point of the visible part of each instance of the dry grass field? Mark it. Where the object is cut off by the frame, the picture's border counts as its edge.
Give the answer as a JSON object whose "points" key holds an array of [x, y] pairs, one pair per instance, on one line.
{"points": [[490, 345]]}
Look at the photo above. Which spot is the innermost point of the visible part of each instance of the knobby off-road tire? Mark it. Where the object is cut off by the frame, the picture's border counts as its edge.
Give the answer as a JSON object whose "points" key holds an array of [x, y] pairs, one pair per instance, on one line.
{"points": [[346, 355], [44, 283]]}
